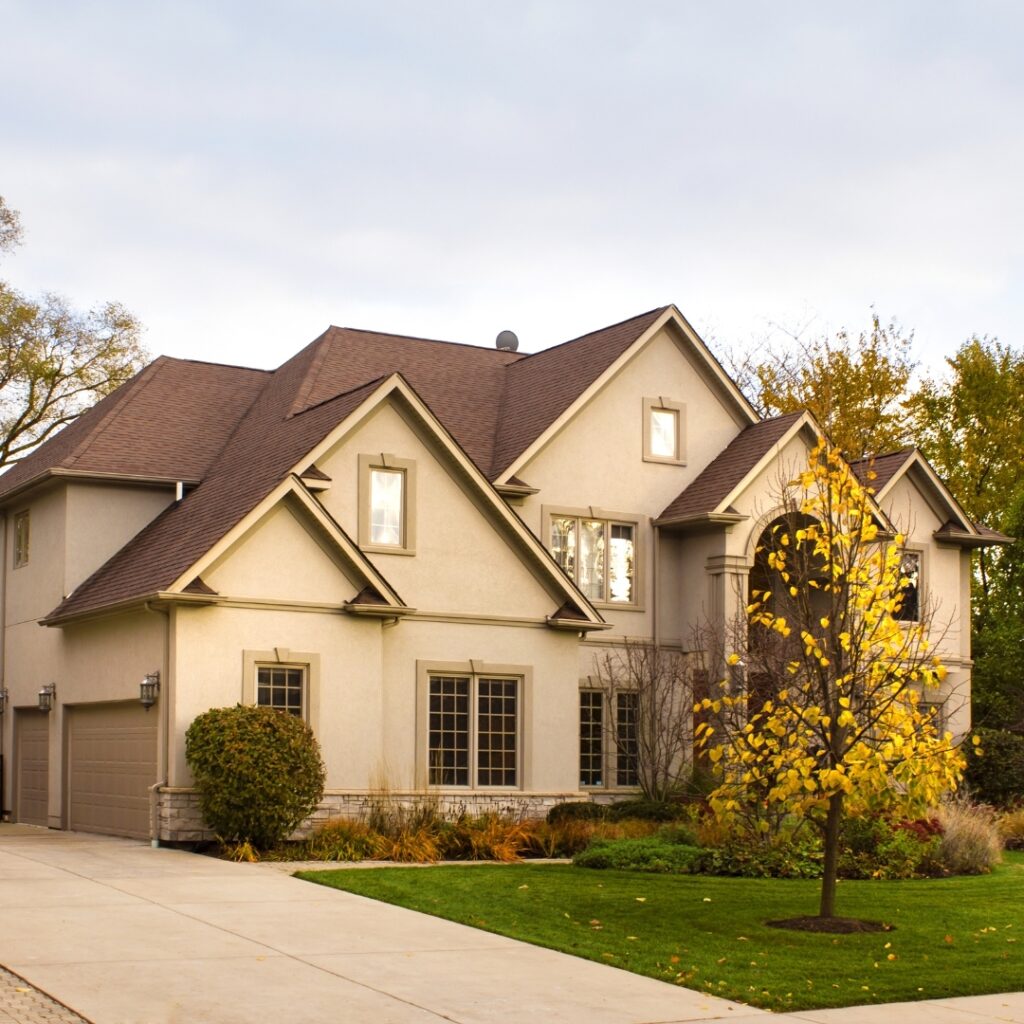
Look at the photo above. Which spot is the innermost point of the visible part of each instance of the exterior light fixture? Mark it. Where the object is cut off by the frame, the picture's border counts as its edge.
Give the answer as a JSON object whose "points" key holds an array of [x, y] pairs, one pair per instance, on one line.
{"points": [[47, 697], [3, 699], [148, 689]]}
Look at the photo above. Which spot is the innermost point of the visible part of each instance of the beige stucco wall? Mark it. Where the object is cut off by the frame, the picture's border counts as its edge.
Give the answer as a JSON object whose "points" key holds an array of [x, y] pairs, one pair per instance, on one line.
{"points": [[101, 519], [34, 589], [463, 562]]}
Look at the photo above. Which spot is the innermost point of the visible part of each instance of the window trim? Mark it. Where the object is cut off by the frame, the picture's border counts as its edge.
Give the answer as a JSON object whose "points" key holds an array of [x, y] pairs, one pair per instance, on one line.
{"points": [[386, 460], [475, 670], [20, 555], [636, 520], [679, 408], [285, 658], [610, 753]]}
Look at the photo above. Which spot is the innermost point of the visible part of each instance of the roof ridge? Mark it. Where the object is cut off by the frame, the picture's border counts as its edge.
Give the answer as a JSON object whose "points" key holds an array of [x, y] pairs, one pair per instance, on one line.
{"points": [[142, 380], [432, 341], [365, 385]]}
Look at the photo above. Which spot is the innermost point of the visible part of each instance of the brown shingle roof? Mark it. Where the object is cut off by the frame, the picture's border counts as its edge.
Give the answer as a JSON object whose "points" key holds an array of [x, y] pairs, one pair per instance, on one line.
{"points": [[169, 422], [541, 387], [885, 467], [717, 480]]}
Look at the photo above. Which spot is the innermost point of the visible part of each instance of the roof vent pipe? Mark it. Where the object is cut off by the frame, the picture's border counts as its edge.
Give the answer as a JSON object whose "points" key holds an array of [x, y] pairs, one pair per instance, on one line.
{"points": [[507, 341], [179, 490]]}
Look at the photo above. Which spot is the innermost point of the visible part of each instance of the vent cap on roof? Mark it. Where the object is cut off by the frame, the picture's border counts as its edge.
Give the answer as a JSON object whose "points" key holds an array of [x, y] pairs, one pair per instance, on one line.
{"points": [[507, 341]]}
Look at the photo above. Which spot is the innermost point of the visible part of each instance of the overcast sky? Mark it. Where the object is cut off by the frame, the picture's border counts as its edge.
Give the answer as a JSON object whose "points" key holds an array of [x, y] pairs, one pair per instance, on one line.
{"points": [[241, 175]]}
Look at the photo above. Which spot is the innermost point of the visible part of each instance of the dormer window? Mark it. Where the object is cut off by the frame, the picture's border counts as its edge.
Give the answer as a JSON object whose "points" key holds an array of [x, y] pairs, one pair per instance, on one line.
{"points": [[387, 504], [21, 534], [664, 431]]}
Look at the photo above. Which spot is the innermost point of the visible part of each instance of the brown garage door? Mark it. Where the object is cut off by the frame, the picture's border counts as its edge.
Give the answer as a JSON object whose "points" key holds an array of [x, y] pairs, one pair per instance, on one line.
{"points": [[111, 765], [32, 760]]}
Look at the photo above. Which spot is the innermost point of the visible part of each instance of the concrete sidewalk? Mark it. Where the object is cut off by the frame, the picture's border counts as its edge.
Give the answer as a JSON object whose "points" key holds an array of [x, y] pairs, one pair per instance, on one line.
{"points": [[125, 934]]}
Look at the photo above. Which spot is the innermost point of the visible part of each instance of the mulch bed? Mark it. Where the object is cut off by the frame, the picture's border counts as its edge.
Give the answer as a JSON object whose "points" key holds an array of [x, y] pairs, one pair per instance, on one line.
{"points": [[831, 925]]}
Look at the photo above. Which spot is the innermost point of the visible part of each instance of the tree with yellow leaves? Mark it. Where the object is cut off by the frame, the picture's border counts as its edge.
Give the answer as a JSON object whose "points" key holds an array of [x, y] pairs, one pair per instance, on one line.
{"points": [[821, 715]]}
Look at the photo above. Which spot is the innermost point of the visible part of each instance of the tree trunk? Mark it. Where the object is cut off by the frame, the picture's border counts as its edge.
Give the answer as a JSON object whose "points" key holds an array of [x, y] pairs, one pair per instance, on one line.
{"points": [[828, 878]]}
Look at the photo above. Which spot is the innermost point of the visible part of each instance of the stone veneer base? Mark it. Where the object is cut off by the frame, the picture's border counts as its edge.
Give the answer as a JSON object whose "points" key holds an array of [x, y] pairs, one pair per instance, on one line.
{"points": [[180, 820]]}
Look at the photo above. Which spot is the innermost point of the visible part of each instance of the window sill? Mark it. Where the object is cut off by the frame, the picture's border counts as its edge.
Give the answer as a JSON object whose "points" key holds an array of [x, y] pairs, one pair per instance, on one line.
{"points": [[618, 606], [665, 460], [386, 549]]}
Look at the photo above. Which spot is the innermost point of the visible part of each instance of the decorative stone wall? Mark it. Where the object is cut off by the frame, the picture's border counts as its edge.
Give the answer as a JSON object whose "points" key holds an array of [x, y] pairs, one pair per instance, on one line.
{"points": [[180, 820]]}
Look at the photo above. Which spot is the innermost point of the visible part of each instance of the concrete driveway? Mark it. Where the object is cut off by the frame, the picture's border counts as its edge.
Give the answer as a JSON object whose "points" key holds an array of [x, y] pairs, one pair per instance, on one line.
{"points": [[126, 934]]}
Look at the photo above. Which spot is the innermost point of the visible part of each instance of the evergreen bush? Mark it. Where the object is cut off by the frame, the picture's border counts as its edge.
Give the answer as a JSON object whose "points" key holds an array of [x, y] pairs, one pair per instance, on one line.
{"points": [[257, 771]]}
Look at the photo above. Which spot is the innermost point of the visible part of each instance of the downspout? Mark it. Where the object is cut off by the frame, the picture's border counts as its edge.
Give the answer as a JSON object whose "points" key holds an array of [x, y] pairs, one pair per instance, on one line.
{"points": [[654, 586], [3, 660], [163, 732]]}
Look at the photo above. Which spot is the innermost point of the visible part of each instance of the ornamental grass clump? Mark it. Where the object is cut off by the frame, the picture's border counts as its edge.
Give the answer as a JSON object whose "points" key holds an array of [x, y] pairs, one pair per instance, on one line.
{"points": [[257, 771], [971, 844]]}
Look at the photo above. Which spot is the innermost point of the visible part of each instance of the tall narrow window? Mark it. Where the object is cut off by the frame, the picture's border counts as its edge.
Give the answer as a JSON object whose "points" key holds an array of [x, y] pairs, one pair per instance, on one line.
{"points": [[21, 533], [599, 555], [281, 687], [387, 506], [591, 738], [626, 743], [449, 731], [497, 732], [910, 593], [665, 433]]}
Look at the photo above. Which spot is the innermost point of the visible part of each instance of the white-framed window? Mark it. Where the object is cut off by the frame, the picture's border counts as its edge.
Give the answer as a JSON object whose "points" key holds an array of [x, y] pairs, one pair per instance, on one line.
{"points": [[910, 589], [283, 679], [664, 431], [470, 725], [609, 748], [387, 504], [598, 552], [21, 538], [935, 711]]}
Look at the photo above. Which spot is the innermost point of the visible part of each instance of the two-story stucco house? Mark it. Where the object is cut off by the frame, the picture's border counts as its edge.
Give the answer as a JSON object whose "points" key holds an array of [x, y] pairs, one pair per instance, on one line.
{"points": [[417, 546]]}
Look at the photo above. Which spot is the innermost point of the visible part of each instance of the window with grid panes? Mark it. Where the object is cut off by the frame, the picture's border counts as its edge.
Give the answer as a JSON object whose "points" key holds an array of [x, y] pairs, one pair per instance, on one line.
{"points": [[627, 747], [281, 687], [591, 738], [488, 738]]}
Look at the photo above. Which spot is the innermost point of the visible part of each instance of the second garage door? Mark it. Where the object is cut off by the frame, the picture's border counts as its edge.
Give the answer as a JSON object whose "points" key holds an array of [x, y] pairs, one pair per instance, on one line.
{"points": [[32, 757], [111, 765]]}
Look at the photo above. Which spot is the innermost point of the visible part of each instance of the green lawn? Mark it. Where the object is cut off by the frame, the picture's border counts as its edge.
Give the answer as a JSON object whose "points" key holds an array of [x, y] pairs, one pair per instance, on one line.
{"points": [[955, 936]]}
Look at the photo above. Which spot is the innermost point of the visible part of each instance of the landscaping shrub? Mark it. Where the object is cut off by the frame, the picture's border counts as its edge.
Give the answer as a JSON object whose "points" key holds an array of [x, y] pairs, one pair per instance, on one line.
{"points": [[343, 839], [487, 836], [971, 843], [795, 857], [257, 771], [996, 775], [1011, 828], [650, 854], [645, 810], [682, 835], [873, 847], [575, 810]]}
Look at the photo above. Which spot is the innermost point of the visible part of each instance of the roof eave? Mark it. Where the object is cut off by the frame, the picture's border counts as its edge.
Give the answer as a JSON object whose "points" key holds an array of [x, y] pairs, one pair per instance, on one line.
{"points": [[85, 476], [700, 520], [161, 598]]}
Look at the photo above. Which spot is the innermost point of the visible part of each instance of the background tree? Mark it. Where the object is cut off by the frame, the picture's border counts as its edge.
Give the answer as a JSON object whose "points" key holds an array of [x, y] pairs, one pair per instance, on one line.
{"points": [[648, 696], [855, 385], [834, 723], [55, 362]]}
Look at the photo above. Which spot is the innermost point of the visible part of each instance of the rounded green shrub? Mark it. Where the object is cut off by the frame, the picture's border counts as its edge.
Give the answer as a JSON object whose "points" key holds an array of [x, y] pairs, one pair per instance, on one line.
{"points": [[257, 771], [576, 810], [996, 774], [652, 854], [646, 810]]}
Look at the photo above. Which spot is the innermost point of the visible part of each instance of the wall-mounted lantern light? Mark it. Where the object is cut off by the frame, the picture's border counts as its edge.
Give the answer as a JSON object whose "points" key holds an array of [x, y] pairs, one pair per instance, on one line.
{"points": [[149, 688], [3, 699], [47, 697]]}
